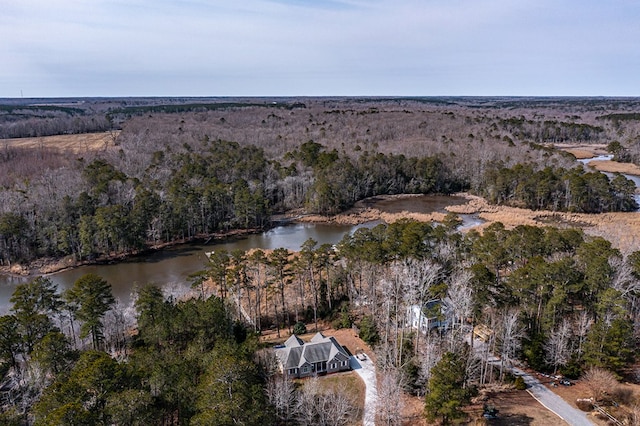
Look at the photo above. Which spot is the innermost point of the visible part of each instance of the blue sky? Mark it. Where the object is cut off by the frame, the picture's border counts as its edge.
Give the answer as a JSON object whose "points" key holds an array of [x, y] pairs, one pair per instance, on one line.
{"points": [[51, 48]]}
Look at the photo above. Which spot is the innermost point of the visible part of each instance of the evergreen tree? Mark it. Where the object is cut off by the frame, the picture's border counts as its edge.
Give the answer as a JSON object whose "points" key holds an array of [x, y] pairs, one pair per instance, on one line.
{"points": [[34, 305], [447, 392], [92, 297]]}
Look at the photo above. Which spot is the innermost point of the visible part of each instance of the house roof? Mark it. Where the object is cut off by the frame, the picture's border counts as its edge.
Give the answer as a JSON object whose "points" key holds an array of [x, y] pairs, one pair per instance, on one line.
{"points": [[296, 352], [294, 341]]}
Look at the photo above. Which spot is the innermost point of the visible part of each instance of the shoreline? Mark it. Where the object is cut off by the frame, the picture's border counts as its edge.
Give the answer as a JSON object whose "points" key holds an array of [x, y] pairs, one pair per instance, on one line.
{"points": [[363, 211], [49, 266], [585, 151], [621, 229]]}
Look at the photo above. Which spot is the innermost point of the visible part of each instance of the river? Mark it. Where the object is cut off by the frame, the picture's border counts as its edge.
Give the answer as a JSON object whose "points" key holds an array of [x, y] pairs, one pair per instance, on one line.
{"points": [[170, 268]]}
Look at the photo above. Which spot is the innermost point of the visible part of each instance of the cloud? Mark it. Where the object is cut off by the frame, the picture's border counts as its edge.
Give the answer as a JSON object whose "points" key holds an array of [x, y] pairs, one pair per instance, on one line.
{"points": [[270, 47]]}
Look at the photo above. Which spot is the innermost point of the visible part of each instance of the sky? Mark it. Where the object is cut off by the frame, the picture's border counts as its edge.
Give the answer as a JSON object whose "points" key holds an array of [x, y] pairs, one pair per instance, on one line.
{"points": [[71, 48]]}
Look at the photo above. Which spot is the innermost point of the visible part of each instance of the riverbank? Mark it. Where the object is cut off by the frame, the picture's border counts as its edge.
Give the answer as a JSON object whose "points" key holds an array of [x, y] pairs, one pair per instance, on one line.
{"points": [[621, 229], [584, 151], [47, 266]]}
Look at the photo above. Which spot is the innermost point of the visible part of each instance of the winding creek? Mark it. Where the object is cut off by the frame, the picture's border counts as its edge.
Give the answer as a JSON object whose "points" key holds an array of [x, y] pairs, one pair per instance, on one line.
{"points": [[171, 267]]}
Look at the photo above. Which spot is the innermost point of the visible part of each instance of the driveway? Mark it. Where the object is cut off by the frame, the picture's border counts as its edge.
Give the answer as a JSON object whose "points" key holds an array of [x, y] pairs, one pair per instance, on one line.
{"points": [[553, 402], [367, 370], [541, 393]]}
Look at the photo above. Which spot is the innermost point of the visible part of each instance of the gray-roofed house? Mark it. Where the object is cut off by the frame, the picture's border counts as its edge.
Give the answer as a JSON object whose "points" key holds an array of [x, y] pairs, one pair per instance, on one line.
{"points": [[319, 356]]}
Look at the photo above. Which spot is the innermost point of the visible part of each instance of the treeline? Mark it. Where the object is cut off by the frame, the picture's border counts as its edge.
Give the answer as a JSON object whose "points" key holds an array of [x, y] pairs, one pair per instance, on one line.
{"points": [[124, 112], [188, 362], [25, 121], [186, 193], [558, 189], [118, 204], [551, 131]]}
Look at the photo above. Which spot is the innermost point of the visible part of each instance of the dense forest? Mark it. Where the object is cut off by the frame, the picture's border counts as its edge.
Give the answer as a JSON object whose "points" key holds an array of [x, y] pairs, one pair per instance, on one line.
{"points": [[178, 172], [557, 300]]}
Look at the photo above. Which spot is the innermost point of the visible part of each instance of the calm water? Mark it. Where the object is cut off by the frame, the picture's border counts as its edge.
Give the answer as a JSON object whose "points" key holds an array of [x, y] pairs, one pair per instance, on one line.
{"points": [[170, 268]]}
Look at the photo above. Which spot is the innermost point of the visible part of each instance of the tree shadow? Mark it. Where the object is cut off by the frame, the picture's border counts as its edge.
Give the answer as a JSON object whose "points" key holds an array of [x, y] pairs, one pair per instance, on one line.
{"points": [[512, 420]]}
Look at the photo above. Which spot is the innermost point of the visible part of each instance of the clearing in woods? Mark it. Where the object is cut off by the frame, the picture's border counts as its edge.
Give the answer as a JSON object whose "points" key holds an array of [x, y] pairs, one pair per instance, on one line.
{"points": [[70, 143]]}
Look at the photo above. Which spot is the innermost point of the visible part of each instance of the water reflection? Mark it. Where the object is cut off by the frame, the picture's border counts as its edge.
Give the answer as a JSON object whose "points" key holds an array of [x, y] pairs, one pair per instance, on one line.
{"points": [[171, 267]]}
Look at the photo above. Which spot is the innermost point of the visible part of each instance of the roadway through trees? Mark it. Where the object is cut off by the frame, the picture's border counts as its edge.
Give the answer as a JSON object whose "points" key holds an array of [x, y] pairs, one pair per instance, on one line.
{"points": [[553, 402], [536, 389]]}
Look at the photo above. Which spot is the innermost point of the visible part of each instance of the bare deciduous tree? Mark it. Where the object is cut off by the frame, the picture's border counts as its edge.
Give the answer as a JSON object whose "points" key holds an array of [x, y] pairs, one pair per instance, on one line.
{"points": [[281, 395], [582, 324], [557, 345], [324, 407], [459, 300], [509, 339], [390, 388], [418, 276], [600, 382], [623, 279]]}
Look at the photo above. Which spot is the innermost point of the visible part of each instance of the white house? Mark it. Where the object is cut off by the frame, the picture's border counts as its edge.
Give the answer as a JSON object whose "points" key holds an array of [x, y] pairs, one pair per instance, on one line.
{"points": [[433, 314]]}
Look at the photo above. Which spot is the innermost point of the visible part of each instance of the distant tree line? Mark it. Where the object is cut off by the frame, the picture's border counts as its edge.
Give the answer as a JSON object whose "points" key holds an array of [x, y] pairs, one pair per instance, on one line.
{"points": [[552, 131], [20, 121], [558, 189]]}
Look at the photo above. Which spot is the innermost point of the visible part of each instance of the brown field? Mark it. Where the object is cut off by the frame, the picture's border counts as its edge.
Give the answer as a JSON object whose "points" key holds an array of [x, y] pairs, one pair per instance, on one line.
{"points": [[615, 167], [581, 151], [68, 143]]}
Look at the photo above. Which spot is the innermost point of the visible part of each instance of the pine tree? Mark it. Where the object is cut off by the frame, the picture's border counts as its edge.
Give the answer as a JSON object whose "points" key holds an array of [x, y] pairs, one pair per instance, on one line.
{"points": [[447, 393]]}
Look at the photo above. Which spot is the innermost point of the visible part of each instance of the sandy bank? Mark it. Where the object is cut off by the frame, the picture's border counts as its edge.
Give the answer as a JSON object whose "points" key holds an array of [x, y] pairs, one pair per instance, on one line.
{"points": [[615, 167], [582, 151]]}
